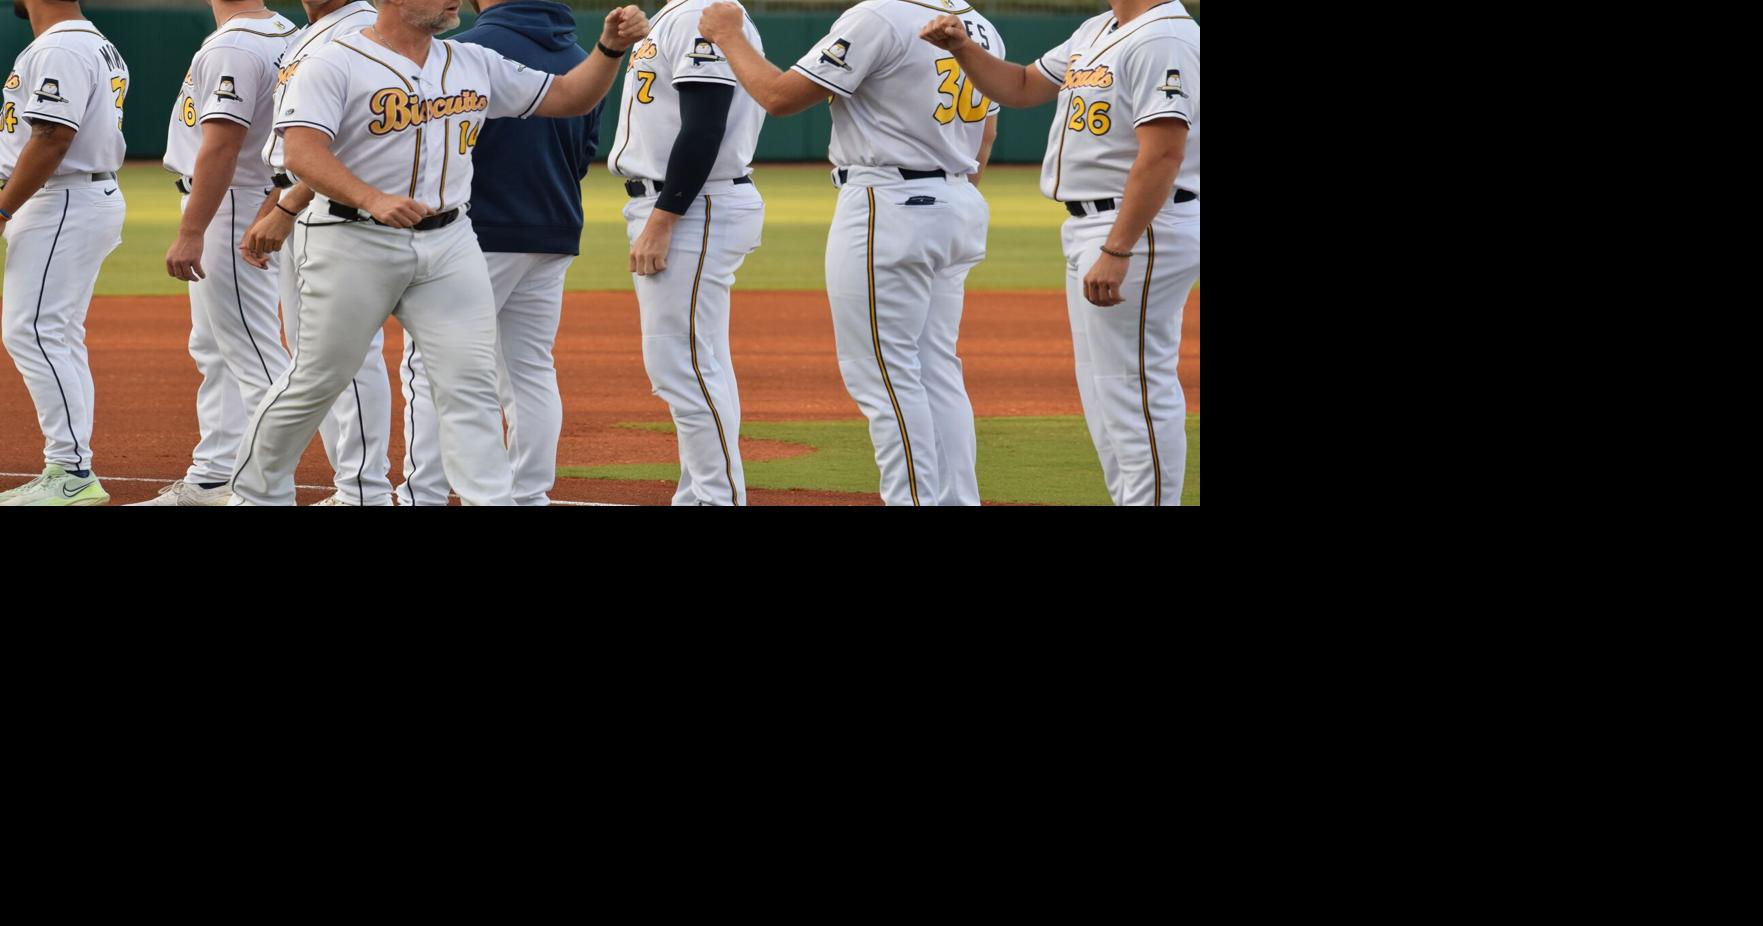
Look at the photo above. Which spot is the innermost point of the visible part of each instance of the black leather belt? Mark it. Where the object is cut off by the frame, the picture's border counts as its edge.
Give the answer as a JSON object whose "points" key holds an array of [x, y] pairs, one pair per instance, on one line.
{"points": [[185, 188], [282, 181], [96, 178], [438, 220], [845, 175], [653, 187], [1109, 205]]}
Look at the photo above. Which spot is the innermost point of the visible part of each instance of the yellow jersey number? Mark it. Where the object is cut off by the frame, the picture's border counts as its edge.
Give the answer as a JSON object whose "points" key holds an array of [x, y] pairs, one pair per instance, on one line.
{"points": [[961, 96], [1092, 118], [646, 83], [120, 87], [9, 119], [189, 111], [468, 136]]}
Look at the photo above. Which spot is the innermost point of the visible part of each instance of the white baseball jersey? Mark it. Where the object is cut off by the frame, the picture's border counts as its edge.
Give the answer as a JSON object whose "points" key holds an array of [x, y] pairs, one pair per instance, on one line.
{"points": [[343, 21], [405, 129], [899, 101], [234, 77], [71, 75], [1115, 77], [676, 53]]}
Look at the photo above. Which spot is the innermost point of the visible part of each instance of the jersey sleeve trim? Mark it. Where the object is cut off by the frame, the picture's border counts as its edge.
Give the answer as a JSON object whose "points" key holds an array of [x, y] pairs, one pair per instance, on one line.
{"points": [[539, 98], [1166, 114], [210, 117], [45, 117], [841, 91]]}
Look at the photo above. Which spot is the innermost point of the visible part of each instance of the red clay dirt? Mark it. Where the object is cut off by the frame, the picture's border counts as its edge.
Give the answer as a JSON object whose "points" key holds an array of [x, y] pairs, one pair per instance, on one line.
{"points": [[1016, 348]]}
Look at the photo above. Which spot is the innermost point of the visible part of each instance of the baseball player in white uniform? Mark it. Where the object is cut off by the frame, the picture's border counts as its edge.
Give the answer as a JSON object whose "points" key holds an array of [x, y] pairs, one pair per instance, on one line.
{"points": [[908, 134], [61, 144], [357, 432], [1123, 155], [224, 107], [527, 212], [377, 124], [685, 146]]}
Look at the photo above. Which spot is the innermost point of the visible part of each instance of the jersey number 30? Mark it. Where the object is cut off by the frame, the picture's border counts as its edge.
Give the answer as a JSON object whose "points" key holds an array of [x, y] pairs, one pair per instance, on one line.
{"points": [[961, 96]]}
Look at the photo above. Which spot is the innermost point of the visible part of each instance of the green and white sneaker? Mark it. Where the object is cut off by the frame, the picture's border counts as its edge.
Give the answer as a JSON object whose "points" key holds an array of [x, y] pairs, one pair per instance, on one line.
{"points": [[56, 489]]}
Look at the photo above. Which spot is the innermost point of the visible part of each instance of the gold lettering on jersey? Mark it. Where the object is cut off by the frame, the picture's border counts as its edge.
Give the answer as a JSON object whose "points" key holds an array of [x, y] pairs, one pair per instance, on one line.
{"points": [[644, 52], [286, 74], [1098, 76], [12, 81], [398, 110]]}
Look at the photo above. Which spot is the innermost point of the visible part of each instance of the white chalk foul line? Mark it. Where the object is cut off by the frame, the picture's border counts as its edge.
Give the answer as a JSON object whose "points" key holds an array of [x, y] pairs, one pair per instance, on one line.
{"points": [[316, 488]]}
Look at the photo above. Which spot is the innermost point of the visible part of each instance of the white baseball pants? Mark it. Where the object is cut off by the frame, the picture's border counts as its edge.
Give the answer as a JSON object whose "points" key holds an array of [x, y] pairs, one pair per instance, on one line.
{"points": [[685, 315], [55, 245], [357, 433], [528, 290], [896, 271], [1126, 354], [235, 338], [353, 276]]}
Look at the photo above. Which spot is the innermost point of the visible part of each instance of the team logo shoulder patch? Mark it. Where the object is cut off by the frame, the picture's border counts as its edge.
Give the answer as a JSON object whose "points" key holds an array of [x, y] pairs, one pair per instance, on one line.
{"points": [[228, 91], [1172, 84], [50, 92], [703, 52], [836, 53], [12, 81]]}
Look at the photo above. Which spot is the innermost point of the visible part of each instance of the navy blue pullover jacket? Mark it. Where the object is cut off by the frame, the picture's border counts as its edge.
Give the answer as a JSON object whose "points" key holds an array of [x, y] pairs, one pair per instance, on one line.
{"points": [[527, 173]]}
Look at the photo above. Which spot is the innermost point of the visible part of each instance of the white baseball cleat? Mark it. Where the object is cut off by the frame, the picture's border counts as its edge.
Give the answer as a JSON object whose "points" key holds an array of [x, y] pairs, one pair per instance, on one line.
{"points": [[188, 495], [56, 489]]}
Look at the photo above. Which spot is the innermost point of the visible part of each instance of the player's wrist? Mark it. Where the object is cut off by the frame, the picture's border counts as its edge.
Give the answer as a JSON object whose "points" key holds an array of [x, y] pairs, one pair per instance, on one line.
{"points": [[1118, 253]]}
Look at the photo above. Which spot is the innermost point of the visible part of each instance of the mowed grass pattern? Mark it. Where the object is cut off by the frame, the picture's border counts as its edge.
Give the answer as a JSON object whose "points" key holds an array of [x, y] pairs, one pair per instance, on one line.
{"points": [[1023, 245], [1048, 461]]}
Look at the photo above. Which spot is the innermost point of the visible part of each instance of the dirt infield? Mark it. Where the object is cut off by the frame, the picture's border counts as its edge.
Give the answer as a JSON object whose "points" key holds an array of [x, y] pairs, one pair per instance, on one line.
{"points": [[1016, 346]]}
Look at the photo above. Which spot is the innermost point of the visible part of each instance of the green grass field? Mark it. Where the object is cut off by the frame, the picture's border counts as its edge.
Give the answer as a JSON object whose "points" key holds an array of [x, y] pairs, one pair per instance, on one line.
{"points": [[1046, 461], [799, 201]]}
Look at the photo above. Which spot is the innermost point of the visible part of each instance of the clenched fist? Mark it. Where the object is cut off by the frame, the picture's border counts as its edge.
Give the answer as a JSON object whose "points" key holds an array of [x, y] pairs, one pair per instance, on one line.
{"points": [[625, 26], [945, 32], [721, 21]]}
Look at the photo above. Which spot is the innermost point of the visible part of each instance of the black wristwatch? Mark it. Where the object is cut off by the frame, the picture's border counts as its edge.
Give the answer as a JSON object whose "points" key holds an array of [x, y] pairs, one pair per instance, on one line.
{"points": [[614, 55]]}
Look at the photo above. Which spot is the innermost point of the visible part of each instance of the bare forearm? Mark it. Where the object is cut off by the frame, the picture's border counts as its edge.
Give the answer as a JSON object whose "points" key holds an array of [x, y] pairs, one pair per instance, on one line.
{"points": [[215, 162], [758, 76], [579, 91], [1012, 85], [296, 197], [320, 170], [1149, 187], [42, 154], [268, 205], [985, 148]]}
